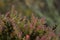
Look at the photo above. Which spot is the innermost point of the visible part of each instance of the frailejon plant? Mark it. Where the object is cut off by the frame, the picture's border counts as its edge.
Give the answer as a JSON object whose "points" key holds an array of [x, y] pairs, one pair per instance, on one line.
{"points": [[15, 26]]}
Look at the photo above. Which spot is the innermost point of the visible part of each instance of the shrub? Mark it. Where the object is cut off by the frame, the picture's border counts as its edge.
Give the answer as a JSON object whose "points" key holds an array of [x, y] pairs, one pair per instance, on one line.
{"points": [[15, 27]]}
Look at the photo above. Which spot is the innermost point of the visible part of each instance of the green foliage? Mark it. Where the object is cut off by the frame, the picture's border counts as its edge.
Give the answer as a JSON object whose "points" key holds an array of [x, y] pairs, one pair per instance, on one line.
{"points": [[40, 8]]}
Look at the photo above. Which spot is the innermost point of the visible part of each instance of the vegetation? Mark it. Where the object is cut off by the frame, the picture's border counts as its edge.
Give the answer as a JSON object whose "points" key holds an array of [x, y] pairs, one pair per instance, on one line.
{"points": [[29, 20]]}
